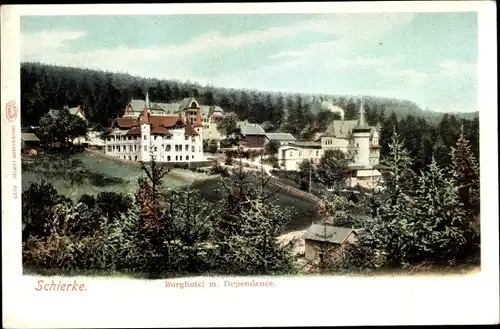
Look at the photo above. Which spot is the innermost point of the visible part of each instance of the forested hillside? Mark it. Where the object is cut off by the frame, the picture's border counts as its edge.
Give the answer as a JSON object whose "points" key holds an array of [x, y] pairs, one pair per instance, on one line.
{"points": [[103, 95]]}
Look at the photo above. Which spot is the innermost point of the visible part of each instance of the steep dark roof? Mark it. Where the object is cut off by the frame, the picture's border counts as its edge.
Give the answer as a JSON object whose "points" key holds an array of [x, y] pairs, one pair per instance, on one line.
{"points": [[334, 234], [361, 124], [29, 137], [252, 129], [280, 136]]}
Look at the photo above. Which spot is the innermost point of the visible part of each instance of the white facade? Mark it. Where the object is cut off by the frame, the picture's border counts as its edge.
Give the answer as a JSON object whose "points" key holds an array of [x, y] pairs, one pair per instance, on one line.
{"points": [[292, 155], [175, 141], [353, 137]]}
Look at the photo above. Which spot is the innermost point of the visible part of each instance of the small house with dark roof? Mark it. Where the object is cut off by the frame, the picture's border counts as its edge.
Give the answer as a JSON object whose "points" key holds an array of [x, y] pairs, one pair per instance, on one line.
{"points": [[30, 143], [77, 111], [280, 138], [251, 135], [327, 237]]}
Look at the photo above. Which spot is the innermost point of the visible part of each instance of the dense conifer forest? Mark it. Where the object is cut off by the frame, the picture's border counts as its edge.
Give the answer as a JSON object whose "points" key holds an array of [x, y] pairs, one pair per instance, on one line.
{"points": [[103, 96]]}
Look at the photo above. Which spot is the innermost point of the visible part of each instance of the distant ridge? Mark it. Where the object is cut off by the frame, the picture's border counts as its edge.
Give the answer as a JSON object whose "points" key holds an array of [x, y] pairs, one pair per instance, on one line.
{"points": [[123, 81]]}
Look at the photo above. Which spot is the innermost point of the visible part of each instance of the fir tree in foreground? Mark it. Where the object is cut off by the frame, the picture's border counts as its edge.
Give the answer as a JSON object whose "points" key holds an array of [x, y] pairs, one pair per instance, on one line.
{"points": [[388, 232], [248, 230], [152, 224], [438, 224], [465, 170]]}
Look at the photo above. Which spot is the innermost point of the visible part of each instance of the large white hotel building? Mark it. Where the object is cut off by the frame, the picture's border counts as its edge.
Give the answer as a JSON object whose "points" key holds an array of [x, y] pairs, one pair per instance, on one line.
{"points": [[169, 138]]}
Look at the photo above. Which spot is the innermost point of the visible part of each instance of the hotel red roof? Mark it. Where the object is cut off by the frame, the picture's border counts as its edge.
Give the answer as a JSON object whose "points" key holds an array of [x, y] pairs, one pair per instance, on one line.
{"points": [[136, 131], [160, 131]]}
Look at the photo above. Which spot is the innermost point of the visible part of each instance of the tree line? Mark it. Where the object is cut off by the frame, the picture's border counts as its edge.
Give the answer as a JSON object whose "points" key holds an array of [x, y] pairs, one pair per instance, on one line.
{"points": [[103, 96]]}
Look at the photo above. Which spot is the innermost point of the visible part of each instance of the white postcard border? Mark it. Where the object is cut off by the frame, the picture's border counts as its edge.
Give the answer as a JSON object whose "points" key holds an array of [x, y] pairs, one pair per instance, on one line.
{"points": [[471, 299]]}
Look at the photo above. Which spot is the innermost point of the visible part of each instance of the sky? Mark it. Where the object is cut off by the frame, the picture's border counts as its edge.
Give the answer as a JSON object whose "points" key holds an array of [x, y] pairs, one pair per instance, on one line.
{"points": [[427, 58]]}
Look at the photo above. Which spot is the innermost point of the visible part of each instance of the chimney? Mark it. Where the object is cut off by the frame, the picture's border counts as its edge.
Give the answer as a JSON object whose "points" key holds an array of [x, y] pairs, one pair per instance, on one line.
{"points": [[147, 100]]}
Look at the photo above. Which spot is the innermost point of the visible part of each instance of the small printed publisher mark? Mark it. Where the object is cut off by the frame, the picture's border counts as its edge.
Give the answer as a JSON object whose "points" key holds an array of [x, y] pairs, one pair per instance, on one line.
{"points": [[11, 111]]}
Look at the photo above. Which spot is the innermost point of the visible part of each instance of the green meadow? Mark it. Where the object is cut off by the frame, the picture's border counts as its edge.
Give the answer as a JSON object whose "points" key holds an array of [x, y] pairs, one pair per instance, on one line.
{"points": [[83, 173]]}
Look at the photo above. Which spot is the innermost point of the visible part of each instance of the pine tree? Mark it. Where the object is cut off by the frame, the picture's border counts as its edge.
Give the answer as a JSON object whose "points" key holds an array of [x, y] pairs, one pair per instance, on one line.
{"points": [[465, 170], [388, 231], [248, 229], [438, 225], [187, 233], [151, 221]]}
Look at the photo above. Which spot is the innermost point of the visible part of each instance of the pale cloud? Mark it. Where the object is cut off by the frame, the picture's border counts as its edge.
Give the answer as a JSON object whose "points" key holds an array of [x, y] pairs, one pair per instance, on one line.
{"points": [[456, 68], [351, 33], [337, 25], [47, 41]]}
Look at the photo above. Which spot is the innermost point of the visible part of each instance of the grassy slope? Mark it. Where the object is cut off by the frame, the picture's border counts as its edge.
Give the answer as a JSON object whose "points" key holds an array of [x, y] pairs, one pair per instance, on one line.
{"points": [[77, 174]]}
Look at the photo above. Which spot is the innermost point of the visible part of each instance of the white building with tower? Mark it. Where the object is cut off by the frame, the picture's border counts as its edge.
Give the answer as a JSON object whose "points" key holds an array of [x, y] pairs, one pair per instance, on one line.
{"points": [[366, 155], [168, 137], [354, 137]]}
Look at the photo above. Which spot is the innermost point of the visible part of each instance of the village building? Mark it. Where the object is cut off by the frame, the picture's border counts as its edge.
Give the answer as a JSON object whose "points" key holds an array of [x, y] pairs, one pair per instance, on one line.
{"points": [[30, 143], [94, 140], [291, 155], [188, 108], [335, 239], [250, 135], [168, 136], [280, 138], [78, 111], [355, 138], [363, 171]]}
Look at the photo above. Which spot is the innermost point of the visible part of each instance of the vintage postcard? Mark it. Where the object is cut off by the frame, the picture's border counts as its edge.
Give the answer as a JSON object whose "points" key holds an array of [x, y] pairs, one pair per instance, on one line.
{"points": [[252, 164]]}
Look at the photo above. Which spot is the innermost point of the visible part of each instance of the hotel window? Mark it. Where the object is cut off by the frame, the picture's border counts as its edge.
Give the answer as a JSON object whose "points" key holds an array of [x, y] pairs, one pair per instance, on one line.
{"points": [[186, 137], [176, 158], [192, 148], [154, 137], [145, 137], [187, 157], [168, 157], [317, 153], [139, 147], [169, 137], [187, 147], [136, 158], [129, 138], [156, 148], [168, 148], [180, 158], [109, 148], [145, 148], [130, 148], [135, 147], [135, 138]]}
